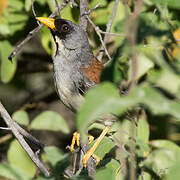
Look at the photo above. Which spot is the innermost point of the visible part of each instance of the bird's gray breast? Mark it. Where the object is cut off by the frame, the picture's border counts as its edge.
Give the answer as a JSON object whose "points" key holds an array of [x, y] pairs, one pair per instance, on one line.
{"points": [[66, 76]]}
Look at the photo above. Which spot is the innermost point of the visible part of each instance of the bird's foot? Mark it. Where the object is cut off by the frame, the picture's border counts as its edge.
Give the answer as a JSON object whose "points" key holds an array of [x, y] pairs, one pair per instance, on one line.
{"points": [[76, 140], [93, 148]]}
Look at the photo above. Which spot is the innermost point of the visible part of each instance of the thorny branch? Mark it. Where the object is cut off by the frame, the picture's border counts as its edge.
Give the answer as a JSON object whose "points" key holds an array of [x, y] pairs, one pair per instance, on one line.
{"points": [[34, 31], [19, 136]]}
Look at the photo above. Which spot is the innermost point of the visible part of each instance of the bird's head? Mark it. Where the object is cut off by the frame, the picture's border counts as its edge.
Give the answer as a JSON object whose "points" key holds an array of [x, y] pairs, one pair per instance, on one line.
{"points": [[65, 32]]}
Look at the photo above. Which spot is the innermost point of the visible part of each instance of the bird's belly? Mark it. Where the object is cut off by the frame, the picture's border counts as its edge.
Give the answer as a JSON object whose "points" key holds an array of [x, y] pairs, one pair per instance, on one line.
{"points": [[66, 90]]}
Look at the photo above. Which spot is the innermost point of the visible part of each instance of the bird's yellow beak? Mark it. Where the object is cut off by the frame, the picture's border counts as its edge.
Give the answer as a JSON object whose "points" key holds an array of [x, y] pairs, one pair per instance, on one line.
{"points": [[49, 22]]}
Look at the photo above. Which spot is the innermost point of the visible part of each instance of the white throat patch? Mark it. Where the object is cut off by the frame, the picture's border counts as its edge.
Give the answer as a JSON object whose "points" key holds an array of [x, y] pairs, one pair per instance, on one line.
{"points": [[60, 44]]}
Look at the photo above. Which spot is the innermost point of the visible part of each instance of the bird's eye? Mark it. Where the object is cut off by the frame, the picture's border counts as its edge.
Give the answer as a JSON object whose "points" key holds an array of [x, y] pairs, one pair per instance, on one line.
{"points": [[65, 28]]}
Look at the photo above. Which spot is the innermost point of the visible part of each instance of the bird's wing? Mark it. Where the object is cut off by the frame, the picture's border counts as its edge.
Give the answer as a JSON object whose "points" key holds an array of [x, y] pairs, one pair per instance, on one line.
{"points": [[93, 72], [91, 75]]}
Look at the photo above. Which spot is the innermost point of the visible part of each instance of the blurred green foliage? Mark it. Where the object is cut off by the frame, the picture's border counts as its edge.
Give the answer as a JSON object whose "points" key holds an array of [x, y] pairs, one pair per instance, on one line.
{"points": [[156, 97]]}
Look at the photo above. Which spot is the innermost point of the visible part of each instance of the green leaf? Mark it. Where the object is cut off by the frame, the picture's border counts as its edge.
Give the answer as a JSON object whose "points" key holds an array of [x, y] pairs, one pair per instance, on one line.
{"points": [[12, 172], [142, 148], [144, 65], [102, 3], [165, 144], [102, 15], [41, 2], [16, 4], [49, 120], [4, 29], [7, 68], [71, 14], [51, 4], [15, 17], [53, 154], [43, 178], [155, 101], [104, 147], [21, 117], [46, 40], [105, 174], [145, 176], [109, 172], [28, 5], [171, 3], [143, 128], [19, 158], [173, 172], [127, 127], [102, 99], [164, 77], [160, 160]]}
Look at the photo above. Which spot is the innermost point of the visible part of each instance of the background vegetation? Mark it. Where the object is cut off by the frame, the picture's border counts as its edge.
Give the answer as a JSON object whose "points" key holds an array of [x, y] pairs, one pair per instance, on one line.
{"points": [[144, 143]]}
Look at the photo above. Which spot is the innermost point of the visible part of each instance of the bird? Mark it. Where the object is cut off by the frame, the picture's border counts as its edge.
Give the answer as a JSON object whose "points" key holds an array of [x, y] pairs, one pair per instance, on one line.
{"points": [[76, 69]]}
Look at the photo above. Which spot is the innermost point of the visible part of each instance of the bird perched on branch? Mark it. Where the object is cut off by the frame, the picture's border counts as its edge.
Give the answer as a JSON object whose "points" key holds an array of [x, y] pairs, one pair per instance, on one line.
{"points": [[75, 68]]}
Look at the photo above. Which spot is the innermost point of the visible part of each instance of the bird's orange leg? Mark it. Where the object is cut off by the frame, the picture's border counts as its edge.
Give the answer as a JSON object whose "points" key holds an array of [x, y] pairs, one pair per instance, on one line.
{"points": [[76, 139], [93, 148]]}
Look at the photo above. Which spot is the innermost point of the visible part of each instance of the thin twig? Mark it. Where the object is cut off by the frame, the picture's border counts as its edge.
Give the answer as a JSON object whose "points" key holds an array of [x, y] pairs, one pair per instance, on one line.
{"points": [[5, 128], [96, 28], [57, 6], [83, 17], [108, 28], [12, 125], [5, 138], [33, 10], [34, 31], [28, 136], [72, 3], [93, 9], [112, 34], [32, 6]]}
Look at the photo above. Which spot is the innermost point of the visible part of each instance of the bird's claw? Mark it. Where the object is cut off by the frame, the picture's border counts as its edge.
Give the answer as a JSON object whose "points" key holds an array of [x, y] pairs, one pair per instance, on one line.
{"points": [[75, 139]]}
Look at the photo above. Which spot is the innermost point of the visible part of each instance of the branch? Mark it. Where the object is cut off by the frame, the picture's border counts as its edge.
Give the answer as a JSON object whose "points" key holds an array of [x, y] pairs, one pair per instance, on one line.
{"points": [[17, 131], [83, 23], [83, 17], [98, 31], [131, 23], [57, 6], [108, 28], [34, 31]]}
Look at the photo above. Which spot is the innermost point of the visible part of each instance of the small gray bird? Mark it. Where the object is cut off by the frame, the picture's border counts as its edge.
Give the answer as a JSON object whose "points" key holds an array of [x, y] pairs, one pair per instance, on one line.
{"points": [[75, 69]]}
